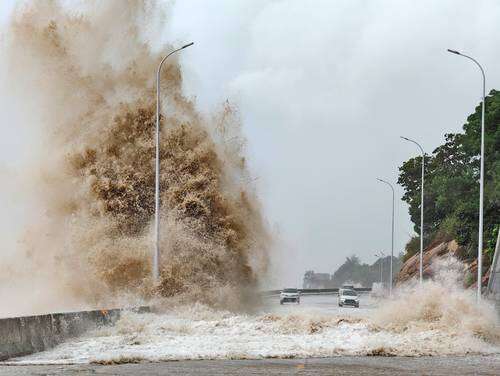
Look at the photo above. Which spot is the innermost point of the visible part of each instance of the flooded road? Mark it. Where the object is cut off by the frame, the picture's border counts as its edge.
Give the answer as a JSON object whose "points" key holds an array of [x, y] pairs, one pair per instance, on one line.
{"points": [[315, 337]]}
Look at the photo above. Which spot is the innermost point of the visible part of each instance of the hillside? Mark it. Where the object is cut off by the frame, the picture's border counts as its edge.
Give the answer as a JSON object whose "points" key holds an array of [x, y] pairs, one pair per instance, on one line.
{"points": [[451, 197], [435, 252]]}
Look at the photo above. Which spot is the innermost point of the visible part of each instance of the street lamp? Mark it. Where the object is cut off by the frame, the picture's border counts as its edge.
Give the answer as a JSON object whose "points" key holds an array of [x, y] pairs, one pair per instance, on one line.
{"points": [[421, 208], [156, 254], [392, 237], [380, 256], [481, 182]]}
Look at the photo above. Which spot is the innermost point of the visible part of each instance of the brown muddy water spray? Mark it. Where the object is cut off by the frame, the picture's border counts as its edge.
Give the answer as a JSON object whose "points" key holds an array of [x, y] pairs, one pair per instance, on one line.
{"points": [[86, 79], [88, 76]]}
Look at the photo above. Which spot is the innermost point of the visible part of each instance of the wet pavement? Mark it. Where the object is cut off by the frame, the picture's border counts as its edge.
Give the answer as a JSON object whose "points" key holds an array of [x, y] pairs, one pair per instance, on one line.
{"points": [[373, 366], [341, 365]]}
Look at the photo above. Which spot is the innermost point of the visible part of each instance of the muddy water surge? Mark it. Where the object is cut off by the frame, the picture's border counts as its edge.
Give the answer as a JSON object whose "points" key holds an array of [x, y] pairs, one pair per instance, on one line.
{"points": [[87, 76], [315, 328], [438, 319]]}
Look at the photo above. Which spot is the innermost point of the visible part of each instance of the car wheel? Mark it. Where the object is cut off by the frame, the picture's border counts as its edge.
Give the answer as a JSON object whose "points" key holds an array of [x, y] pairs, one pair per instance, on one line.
{"points": [[281, 302]]}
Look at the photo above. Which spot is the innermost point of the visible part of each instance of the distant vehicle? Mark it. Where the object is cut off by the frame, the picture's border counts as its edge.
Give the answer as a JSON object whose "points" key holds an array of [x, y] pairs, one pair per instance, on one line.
{"points": [[345, 287], [348, 297], [290, 295]]}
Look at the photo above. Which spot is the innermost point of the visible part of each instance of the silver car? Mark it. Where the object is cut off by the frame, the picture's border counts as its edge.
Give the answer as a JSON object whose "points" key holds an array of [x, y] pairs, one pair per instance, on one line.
{"points": [[290, 296], [348, 298]]}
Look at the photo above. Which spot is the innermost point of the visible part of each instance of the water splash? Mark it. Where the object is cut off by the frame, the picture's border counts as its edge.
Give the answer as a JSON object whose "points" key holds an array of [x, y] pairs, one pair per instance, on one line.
{"points": [[87, 76], [441, 306]]}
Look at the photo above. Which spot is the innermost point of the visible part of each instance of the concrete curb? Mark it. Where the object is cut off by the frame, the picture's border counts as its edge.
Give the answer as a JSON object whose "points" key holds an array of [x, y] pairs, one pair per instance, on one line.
{"points": [[26, 335]]}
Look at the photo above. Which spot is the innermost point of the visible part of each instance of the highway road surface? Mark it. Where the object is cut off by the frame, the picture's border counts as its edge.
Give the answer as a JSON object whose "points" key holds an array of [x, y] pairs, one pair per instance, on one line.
{"points": [[360, 366], [314, 338]]}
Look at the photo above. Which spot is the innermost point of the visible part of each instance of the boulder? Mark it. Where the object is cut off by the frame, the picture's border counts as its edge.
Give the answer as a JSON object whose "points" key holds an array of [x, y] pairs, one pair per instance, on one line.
{"points": [[411, 267], [472, 269], [436, 250]]}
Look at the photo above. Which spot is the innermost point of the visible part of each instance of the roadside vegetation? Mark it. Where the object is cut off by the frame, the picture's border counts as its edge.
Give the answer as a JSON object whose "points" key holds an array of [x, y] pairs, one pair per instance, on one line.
{"points": [[353, 270], [452, 186]]}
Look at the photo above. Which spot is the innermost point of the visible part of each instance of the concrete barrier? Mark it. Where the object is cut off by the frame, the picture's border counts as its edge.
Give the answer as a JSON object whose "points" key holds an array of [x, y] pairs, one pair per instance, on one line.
{"points": [[317, 291], [26, 335]]}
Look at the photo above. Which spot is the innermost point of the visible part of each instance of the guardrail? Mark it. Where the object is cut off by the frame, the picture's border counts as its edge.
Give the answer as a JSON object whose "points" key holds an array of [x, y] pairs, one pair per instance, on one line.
{"points": [[316, 291], [26, 335]]}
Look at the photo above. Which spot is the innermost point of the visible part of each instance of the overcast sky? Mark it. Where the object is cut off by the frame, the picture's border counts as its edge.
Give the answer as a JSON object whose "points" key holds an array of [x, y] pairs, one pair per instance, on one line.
{"points": [[325, 89]]}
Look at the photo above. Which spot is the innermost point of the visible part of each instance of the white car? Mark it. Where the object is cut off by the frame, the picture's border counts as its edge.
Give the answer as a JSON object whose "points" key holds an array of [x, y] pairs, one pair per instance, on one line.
{"points": [[348, 298], [290, 295]]}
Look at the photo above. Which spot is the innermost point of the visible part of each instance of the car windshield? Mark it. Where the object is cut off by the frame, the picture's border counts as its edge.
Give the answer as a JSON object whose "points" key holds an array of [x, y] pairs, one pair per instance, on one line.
{"points": [[290, 290], [349, 293]]}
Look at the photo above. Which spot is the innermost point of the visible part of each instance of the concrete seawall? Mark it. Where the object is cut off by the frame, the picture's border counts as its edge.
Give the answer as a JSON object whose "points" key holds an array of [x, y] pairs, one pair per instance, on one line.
{"points": [[29, 334]]}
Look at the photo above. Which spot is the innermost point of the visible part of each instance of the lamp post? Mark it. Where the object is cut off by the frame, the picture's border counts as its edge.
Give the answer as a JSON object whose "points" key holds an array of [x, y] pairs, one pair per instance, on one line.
{"points": [[481, 181], [156, 254], [421, 269], [392, 237], [380, 256]]}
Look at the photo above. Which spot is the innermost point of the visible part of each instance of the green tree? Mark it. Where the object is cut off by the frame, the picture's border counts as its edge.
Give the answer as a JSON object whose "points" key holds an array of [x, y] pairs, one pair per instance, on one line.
{"points": [[352, 270], [452, 182]]}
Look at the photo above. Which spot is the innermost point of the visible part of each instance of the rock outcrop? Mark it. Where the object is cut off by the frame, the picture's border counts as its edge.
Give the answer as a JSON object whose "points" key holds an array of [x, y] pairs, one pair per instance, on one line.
{"points": [[433, 252]]}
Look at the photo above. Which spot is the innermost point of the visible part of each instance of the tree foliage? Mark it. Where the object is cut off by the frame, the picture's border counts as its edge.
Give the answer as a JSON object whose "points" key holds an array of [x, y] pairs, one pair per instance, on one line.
{"points": [[352, 270], [451, 201]]}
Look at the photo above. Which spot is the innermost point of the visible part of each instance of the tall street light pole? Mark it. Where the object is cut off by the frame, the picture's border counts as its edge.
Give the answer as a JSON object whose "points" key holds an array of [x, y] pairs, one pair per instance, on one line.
{"points": [[156, 254], [421, 269], [481, 182], [392, 237]]}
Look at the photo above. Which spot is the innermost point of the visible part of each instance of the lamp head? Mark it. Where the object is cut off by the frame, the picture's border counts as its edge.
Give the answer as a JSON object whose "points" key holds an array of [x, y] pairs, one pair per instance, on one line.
{"points": [[454, 52], [187, 45]]}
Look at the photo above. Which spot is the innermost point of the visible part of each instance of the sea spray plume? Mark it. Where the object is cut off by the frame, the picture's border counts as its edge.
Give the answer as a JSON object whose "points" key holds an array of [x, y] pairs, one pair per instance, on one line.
{"points": [[440, 305], [91, 77]]}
